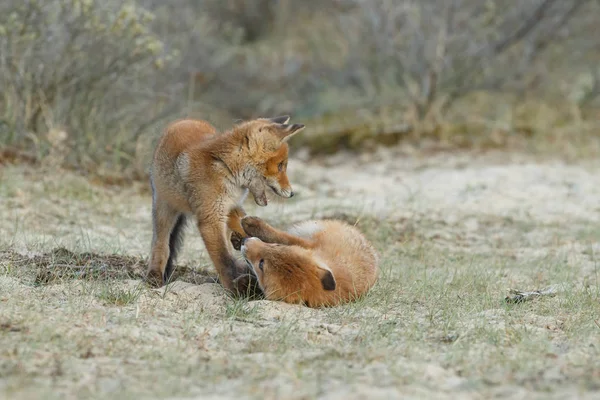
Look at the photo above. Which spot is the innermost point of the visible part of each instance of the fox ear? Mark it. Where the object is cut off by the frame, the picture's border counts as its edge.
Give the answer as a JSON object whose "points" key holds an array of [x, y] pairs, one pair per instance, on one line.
{"points": [[283, 119], [327, 279], [285, 132]]}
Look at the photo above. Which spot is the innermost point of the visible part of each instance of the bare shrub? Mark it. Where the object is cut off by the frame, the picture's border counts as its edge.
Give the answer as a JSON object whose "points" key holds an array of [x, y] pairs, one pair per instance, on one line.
{"points": [[85, 66], [430, 51], [109, 74], [250, 57]]}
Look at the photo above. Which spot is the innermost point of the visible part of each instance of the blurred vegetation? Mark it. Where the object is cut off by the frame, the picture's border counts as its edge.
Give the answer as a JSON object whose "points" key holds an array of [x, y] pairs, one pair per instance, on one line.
{"points": [[91, 83]]}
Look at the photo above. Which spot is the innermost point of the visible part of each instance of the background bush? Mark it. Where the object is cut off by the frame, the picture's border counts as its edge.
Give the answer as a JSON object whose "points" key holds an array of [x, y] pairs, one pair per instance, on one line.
{"points": [[99, 79]]}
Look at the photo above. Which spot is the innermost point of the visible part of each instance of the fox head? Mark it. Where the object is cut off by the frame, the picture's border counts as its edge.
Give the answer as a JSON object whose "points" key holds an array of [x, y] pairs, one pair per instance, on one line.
{"points": [[264, 151], [286, 272]]}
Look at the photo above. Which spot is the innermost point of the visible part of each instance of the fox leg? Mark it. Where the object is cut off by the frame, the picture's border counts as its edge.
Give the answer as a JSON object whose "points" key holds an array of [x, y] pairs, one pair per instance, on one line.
{"points": [[254, 226], [234, 274], [234, 224], [167, 234]]}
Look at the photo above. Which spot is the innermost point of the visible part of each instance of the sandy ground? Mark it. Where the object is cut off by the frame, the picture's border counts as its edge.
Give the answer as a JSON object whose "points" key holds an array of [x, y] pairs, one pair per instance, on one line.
{"points": [[191, 341], [453, 189]]}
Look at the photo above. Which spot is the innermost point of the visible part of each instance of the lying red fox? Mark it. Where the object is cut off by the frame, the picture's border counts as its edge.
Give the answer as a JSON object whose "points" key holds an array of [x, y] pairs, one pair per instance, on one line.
{"points": [[317, 263]]}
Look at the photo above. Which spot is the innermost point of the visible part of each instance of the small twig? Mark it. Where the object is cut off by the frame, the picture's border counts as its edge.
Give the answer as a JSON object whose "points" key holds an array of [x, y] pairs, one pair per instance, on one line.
{"points": [[518, 296], [257, 323]]}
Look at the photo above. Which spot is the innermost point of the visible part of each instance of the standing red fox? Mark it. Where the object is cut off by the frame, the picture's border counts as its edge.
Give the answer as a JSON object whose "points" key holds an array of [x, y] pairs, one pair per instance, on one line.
{"points": [[316, 263], [199, 172]]}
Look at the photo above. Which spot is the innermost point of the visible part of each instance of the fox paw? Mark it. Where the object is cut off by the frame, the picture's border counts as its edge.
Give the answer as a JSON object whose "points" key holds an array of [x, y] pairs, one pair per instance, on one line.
{"points": [[155, 279], [236, 240], [253, 226]]}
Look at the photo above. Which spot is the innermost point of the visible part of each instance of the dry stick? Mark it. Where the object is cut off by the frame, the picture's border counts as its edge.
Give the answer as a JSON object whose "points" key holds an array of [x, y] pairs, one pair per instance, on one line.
{"points": [[518, 296]]}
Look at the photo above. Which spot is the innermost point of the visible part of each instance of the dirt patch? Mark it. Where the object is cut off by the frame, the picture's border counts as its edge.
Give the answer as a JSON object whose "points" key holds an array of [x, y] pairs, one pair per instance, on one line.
{"points": [[61, 264]]}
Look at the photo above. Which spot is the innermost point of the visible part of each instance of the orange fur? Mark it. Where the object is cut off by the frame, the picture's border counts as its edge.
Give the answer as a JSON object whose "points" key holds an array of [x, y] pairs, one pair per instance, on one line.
{"points": [[317, 263], [199, 172]]}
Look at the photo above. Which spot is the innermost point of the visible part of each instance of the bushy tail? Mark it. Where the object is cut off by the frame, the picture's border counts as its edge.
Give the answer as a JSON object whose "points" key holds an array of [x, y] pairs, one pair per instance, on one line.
{"points": [[175, 242]]}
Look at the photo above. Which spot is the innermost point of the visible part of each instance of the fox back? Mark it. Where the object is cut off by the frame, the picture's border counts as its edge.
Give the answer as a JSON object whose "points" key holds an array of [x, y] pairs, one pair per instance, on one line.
{"points": [[167, 163]]}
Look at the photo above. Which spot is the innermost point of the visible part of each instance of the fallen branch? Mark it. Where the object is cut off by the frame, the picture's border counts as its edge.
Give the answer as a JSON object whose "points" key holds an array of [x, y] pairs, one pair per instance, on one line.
{"points": [[518, 296]]}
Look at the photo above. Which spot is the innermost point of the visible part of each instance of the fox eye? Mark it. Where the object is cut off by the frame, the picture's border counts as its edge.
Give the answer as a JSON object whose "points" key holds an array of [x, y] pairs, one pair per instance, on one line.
{"points": [[260, 264], [280, 166]]}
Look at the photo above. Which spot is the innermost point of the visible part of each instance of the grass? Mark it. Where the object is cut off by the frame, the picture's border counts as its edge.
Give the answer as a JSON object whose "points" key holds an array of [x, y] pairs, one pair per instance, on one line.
{"points": [[79, 323], [115, 296], [480, 121], [439, 308]]}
